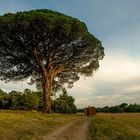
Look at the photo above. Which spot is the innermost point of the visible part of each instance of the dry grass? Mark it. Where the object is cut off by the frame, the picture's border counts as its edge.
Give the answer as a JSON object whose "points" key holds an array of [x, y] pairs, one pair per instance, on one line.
{"points": [[24, 125], [119, 126]]}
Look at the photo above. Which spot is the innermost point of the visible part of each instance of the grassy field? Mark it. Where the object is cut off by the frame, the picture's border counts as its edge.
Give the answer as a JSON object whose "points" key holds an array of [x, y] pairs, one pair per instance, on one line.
{"points": [[119, 126], [24, 125]]}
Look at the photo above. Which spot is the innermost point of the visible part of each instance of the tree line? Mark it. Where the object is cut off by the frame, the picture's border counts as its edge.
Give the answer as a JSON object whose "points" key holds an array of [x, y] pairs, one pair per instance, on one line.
{"points": [[124, 107], [33, 100]]}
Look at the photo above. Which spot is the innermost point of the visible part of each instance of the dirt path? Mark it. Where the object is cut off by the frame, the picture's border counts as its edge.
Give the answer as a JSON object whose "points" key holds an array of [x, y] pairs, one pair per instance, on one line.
{"points": [[77, 130], [82, 133], [134, 130]]}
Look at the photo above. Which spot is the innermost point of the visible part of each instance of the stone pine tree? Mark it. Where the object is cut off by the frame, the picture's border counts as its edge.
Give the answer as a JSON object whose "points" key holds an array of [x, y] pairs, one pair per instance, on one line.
{"points": [[46, 45]]}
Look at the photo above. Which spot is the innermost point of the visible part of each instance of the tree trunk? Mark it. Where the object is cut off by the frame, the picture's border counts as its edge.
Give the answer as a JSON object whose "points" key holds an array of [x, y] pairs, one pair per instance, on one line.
{"points": [[47, 84]]}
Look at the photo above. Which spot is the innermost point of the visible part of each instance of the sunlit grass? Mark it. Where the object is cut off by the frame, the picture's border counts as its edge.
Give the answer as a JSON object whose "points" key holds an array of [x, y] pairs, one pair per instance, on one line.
{"points": [[24, 125], [123, 126]]}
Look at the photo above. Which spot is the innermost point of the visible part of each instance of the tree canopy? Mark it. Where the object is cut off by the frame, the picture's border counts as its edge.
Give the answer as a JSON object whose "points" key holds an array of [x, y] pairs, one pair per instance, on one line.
{"points": [[47, 46]]}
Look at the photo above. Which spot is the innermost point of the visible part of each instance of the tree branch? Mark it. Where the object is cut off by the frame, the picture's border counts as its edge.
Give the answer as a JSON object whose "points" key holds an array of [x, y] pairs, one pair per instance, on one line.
{"points": [[40, 64]]}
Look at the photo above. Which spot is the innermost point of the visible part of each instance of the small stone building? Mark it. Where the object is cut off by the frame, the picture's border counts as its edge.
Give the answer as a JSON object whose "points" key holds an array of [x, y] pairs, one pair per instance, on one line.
{"points": [[90, 111]]}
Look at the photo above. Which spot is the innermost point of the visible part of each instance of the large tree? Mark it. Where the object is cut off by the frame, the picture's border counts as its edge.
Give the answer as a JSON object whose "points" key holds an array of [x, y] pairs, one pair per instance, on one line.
{"points": [[47, 46]]}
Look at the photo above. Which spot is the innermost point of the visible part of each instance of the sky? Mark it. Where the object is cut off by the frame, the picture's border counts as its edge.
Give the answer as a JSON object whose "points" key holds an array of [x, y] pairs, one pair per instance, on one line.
{"points": [[117, 24]]}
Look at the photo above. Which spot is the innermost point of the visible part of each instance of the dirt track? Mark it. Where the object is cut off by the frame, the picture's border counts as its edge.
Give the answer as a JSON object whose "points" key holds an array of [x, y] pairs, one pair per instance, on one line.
{"points": [[77, 130]]}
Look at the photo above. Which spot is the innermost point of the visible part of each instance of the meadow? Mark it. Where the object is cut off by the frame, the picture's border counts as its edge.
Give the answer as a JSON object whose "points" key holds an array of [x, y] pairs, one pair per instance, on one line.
{"points": [[115, 126], [31, 125], [28, 125]]}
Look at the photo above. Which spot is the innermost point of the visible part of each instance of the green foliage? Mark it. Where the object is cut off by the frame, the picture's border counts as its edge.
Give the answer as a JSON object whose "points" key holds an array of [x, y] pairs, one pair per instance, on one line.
{"points": [[30, 100], [64, 104], [123, 105], [120, 108], [15, 100], [42, 43], [80, 110], [3, 100], [132, 108], [63, 38]]}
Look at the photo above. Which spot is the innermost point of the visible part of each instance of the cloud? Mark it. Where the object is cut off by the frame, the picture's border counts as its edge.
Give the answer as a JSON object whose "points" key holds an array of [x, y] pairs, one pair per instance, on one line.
{"points": [[83, 102], [118, 67], [117, 81], [19, 86]]}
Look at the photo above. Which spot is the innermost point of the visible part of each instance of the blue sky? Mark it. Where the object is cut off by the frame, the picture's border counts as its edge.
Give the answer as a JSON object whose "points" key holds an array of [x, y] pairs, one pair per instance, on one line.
{"points": [[117, 24]]}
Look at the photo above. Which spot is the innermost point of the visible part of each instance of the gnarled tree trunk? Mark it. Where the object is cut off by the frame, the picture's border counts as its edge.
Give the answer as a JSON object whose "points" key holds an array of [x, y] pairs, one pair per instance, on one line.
{"points": [[47, 84]]}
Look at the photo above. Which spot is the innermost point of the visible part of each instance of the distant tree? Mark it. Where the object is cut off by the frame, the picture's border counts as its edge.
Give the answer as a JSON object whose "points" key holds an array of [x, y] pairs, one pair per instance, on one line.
{"points": [[15, 100], [115, 109], [47, 46], [123, 105], [40, 100], [3, 100], [80, 110], [64, 104], [105, 109], [30, 99], [132, 108]]}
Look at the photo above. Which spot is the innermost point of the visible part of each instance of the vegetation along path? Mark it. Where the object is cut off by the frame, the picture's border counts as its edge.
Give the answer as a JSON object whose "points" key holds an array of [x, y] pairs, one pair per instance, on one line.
{"points": [[76, 130]]}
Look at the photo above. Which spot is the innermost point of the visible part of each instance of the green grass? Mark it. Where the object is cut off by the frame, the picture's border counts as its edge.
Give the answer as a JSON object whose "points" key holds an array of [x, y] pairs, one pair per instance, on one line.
{"points": [[24, 125], [123, 126], [27, 125]]}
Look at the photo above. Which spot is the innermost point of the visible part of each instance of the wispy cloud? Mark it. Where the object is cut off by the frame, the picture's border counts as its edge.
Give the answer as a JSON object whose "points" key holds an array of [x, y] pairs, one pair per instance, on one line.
{"points": [[117, 78], [19, 86]]}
